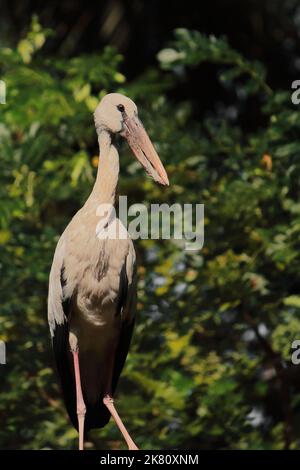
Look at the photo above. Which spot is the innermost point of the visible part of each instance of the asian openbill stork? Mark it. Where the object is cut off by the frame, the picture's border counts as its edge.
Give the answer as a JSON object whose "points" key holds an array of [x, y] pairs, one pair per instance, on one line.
{"points": [[92, 287]]}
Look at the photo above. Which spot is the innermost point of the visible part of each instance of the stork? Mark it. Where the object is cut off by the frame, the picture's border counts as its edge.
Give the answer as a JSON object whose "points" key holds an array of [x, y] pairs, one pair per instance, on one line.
{"points": [[92, 284]]}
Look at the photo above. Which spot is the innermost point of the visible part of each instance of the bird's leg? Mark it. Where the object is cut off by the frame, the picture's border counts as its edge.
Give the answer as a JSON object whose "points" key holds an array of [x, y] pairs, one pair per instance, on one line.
{"points": [[81, 409], [109, 403]]}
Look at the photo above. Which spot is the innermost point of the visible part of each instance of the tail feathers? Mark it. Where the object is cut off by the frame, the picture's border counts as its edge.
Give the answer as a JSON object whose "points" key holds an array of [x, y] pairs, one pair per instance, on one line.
{"points": [[97, 415]]}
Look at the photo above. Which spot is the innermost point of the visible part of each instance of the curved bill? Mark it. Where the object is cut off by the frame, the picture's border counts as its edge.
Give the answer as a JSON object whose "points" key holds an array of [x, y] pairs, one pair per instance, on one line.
{"points": [[144, 150]]}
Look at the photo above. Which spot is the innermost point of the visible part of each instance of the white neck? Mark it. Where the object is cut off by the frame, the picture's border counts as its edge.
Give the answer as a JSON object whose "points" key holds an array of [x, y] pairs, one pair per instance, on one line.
{"points": [[105, 186]]}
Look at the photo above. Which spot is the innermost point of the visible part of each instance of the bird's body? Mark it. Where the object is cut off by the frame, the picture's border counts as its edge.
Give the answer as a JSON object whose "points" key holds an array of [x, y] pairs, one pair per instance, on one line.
{"points": [[92, 296], [98, 302]]}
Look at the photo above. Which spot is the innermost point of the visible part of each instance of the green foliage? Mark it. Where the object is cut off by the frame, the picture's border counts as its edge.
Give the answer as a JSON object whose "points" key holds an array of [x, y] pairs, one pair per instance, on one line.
{"points": [[191, 48], [210, 362]]}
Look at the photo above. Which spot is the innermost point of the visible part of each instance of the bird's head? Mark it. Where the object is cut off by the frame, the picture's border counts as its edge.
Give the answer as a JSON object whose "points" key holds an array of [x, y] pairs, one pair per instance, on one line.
{"points": [[119, 115]]}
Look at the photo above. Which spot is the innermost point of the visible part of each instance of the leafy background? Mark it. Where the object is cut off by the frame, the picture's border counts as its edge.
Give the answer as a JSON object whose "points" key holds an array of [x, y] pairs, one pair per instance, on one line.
{"points": [[210, 364]]}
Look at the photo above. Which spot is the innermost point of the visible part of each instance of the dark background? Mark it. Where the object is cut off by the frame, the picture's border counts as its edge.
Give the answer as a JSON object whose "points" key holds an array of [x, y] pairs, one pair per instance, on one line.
{"points": [[267, 31]]}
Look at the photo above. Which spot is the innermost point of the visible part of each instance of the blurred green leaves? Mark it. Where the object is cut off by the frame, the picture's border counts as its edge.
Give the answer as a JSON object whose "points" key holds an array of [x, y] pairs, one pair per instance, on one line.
{"points": [[212, 325], [191, 48]]}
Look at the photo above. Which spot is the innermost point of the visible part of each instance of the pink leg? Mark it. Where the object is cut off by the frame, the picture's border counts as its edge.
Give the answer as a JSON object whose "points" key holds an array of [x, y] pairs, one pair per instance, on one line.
{"points": [[109, 403], [81, 409]]}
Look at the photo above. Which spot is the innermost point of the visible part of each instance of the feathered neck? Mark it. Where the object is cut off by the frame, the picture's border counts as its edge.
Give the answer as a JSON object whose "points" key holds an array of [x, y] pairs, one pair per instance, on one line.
{"points": [[105, 186]]}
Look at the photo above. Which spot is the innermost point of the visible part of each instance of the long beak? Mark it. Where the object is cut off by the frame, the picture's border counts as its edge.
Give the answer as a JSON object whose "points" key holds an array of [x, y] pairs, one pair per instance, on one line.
{"points": [[144, 150]]}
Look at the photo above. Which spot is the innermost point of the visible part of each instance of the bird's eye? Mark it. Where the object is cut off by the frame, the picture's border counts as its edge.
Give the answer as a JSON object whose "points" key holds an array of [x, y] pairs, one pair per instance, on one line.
{"points": [[121, 108]]}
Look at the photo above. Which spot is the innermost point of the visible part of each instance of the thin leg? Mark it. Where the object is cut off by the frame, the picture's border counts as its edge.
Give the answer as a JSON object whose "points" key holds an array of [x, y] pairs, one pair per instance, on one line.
{"points": [[109, 403], [81, 409]]}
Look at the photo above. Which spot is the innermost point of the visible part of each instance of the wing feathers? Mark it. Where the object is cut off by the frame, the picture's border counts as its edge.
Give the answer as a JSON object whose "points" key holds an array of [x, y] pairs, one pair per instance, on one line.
{"points": [[59, 314]]}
